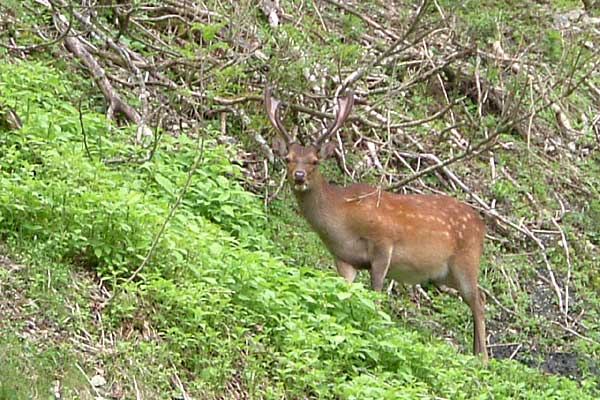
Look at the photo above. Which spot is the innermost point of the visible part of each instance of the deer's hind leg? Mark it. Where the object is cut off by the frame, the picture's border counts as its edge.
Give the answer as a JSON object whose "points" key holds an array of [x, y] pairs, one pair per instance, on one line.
{"points": [[463, 276]]}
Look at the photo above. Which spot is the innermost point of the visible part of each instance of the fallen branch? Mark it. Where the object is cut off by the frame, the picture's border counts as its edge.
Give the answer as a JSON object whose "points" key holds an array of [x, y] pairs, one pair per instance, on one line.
{"points": [[479, 148], [116, 105]]}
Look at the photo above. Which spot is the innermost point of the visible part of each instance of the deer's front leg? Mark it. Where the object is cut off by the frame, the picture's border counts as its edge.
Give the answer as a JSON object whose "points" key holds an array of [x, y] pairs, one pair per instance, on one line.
{"points": [[382, 258], [347, 271]]}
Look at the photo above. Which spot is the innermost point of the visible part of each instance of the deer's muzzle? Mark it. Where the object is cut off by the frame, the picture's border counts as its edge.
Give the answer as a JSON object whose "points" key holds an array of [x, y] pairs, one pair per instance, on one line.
{"points": [[299, 176]]}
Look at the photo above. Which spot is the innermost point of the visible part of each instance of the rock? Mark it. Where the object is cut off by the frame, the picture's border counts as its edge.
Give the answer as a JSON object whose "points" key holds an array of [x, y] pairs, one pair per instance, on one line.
{"points": [[97, 381]]}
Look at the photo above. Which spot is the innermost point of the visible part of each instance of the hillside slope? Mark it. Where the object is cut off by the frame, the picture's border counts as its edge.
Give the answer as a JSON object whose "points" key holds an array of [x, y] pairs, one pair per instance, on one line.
{"points": [[141, 265]]}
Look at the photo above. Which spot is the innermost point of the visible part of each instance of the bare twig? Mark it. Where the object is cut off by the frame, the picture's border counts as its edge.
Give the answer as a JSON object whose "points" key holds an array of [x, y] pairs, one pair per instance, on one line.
{"points": [[170, 216], [565, 246], [359, 73], [85, 143], [49, 43], [471, 152]]}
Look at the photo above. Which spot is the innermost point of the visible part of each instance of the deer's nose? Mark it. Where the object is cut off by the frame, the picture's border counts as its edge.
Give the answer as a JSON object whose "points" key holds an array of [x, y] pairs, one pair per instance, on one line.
{"points": [[299, 176]]}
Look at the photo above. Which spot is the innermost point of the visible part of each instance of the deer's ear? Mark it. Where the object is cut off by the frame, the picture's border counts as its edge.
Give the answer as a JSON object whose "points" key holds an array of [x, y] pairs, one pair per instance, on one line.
{"points": [[327, 150], [280, 146]]}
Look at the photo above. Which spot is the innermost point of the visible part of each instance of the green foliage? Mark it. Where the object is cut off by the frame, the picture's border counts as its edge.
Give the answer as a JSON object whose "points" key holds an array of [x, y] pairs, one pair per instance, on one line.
{"points": [[552, 45], [36, 373], [297, 52], [89, 213], [230, 80], [223, 307], [353, 26], [566, 4], [484, 28], [208, 31]]}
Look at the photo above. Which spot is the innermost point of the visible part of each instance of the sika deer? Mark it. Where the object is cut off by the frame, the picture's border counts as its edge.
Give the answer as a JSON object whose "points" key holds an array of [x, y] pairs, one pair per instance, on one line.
{"points": [[408, 238]]}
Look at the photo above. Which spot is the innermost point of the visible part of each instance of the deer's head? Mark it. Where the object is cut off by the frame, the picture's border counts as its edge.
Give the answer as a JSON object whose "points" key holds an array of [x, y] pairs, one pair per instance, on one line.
{"points": [[303, 161]]}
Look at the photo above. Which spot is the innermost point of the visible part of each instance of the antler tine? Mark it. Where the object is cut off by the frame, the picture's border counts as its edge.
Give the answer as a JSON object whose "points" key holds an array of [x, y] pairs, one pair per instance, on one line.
{"points": [[272, 106], [344, 107]]}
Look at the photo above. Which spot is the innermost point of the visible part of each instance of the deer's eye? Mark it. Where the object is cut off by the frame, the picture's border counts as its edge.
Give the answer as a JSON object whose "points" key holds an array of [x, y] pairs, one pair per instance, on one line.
{"points": [[287, 158], [314, 162]]}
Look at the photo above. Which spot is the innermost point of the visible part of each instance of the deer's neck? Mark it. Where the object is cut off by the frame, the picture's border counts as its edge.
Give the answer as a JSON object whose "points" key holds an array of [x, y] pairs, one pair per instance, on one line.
{"points": [[323, 206], [318, 204]]}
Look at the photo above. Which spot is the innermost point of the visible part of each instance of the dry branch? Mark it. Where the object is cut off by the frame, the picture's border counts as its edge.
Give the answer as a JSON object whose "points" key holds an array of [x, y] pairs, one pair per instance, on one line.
{"points": [[116, 105]]}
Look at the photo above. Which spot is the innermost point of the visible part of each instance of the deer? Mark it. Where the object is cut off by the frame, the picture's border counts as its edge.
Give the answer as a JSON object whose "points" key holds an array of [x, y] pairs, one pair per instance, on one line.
{"points": [[411, 239]]}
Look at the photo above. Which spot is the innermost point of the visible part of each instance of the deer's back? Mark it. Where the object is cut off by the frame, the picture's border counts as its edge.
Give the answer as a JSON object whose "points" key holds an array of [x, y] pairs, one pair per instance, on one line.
{"points": [[425, 231]]}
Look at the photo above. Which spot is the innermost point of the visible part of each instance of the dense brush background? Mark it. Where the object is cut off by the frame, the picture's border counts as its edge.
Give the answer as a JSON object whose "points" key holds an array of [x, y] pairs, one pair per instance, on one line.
{"points": [[149, 247]]}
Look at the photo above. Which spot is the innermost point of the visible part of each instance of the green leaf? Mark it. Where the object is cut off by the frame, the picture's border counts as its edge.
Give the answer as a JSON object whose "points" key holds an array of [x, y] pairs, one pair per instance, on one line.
{"points": [[343, 295], [98, 252], [164, 183]]}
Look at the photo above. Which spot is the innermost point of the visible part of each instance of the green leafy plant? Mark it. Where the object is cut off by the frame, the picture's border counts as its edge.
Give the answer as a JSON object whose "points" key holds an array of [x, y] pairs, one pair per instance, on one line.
{"points": [[215, 304]]}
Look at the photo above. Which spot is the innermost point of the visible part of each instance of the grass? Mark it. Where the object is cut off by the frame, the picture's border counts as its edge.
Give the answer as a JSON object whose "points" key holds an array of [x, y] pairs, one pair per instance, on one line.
{"points": [[43, 308]]}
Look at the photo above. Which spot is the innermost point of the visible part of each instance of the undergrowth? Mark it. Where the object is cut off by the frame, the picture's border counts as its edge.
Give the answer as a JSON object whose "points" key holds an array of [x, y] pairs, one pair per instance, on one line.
{"points": [[214, 306]]}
